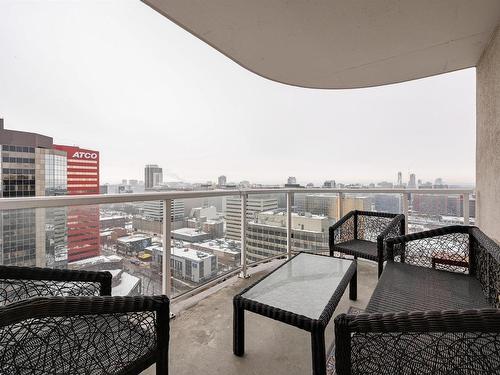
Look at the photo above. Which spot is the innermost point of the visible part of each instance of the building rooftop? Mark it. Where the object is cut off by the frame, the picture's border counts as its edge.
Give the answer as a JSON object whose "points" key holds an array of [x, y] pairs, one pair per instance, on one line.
{"points": [[282, 212], [190, 232], [222, 245], [127, 283], [134, 237], [103, 218], [191, 254], [97, 260]]}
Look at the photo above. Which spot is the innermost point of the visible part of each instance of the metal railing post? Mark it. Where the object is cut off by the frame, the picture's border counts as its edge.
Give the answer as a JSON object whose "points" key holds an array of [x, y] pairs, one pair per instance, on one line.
{"points": [[289, 200], [166, 285], [340, 206], [406, 204], [243, 273], [465, 209]]}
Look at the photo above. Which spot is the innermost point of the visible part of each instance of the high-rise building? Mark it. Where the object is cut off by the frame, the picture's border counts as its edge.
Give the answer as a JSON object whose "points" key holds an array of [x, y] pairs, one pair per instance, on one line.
{"points": [[30, 167], [83, 221], [329, 184], [153, 210], [412, 183], [221, 181], [327, 204], [321, 204], [387, 203], [153, 176], [267, 234], [439, 184], [400, 179], [233, 212]]}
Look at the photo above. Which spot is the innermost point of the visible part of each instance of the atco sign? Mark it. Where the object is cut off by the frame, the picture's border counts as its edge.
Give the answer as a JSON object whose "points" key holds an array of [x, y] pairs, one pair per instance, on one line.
{"points": [[84, 155]]}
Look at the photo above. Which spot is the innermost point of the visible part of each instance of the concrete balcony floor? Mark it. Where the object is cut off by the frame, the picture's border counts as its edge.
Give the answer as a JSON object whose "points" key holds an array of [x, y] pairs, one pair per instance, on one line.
{"points": [[201, 334]]}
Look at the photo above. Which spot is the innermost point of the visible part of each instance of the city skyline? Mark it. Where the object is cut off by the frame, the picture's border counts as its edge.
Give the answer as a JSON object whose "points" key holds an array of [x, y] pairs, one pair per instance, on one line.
{"points": [[128, 86], [398, 181]]}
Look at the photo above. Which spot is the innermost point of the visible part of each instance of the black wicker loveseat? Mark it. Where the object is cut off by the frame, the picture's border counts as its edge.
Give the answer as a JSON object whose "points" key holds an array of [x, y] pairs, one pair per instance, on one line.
{"points": [[65, 322], [362, 234], [435, 309]]}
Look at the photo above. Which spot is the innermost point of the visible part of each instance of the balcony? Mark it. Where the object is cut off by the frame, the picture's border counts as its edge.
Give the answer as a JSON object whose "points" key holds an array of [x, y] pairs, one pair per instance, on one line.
{"points": [[201, 333]]}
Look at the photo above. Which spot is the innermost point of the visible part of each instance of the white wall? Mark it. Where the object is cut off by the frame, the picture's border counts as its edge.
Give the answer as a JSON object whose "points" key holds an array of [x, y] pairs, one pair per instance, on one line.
{"points": [[488, 139]]}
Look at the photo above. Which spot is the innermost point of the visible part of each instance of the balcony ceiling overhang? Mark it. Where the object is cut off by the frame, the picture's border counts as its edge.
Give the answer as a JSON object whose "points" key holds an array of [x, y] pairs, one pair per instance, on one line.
{"points": [[339, 44]]}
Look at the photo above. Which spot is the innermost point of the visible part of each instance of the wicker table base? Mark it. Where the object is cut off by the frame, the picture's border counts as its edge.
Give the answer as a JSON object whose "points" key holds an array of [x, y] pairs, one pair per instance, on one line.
{"points": [[302, 292]]}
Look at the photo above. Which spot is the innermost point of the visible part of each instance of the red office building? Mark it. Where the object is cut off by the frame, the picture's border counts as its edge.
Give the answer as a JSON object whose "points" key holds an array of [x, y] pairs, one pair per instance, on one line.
{"points": [[83, 221]]}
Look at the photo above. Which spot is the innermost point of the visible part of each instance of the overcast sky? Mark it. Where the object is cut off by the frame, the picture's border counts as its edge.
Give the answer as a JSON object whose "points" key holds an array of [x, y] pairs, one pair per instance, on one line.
{"points": [[118, 77]]}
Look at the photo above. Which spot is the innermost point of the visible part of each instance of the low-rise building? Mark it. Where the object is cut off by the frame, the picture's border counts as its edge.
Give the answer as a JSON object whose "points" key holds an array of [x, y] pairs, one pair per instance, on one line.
{"points": [[190, 235], [209, 212], [228, 252], [109, 236], [188, 264], [124, 284], [133, 244], [114, 221], [98, 263], [215, 228]]}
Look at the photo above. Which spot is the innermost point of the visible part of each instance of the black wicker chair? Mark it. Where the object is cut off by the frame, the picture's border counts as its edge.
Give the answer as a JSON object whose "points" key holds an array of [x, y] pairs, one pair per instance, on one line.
{"points": [[435, 309], [65, 322], [362, 234]]}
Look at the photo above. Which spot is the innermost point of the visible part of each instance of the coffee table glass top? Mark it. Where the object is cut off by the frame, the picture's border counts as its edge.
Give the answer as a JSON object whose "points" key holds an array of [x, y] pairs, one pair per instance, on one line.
{"points": [[303, 286]]}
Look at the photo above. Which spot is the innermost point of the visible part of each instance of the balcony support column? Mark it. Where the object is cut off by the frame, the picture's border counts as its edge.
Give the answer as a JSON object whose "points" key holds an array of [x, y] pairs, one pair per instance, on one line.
{"points": [[289, 200], [340, 206], [465, 208], [406, 204], [243, 273], [167, 230]]}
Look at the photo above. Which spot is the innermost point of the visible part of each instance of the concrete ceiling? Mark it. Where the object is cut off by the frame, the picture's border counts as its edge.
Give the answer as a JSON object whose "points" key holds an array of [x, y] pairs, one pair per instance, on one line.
{"points": [[341, 43]]}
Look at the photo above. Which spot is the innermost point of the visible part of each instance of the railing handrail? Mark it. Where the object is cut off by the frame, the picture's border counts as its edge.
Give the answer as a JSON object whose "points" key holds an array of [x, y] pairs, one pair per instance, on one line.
{"points": [[83, 200]]}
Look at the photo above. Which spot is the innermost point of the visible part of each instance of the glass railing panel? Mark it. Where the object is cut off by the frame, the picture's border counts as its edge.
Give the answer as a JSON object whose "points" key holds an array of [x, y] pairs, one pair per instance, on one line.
{"points": [[430, 211], [205, 244], [266, 233]]}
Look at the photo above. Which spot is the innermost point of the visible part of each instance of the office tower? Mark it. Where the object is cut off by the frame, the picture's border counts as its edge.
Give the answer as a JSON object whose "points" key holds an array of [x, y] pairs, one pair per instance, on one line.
{"points": [[329, 184], [400, 179], [321, 204], [267, 234], [233, 212], [153, 176], [387, 203], [31, 167], [412, 183], [83, 221], [153, 210], [221, 181]]}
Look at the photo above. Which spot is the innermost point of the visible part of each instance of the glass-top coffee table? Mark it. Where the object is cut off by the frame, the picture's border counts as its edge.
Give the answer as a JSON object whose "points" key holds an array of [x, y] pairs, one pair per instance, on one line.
{"points": [[303, 292]]}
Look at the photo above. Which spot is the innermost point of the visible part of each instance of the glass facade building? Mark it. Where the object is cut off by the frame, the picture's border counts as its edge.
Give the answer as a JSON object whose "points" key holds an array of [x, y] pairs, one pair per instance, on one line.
{"points": [[30, 167]]}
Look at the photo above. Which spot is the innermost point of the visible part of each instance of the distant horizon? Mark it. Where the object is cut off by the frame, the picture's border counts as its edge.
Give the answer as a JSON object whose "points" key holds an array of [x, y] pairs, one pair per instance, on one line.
{"points": [[316, 184]]}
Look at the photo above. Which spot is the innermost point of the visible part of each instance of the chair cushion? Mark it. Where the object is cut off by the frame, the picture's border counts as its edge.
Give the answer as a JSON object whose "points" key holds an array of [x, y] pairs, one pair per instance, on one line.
{"points": [[404, 287], [360, 248]]}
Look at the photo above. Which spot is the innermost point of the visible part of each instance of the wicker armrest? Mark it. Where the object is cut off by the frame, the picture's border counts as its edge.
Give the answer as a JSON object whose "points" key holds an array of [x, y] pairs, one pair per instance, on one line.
{"points": [[94, 334], [440, 342], [394, 228], [18, 283], [343, 228], [401, 240], [40, 307]]}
